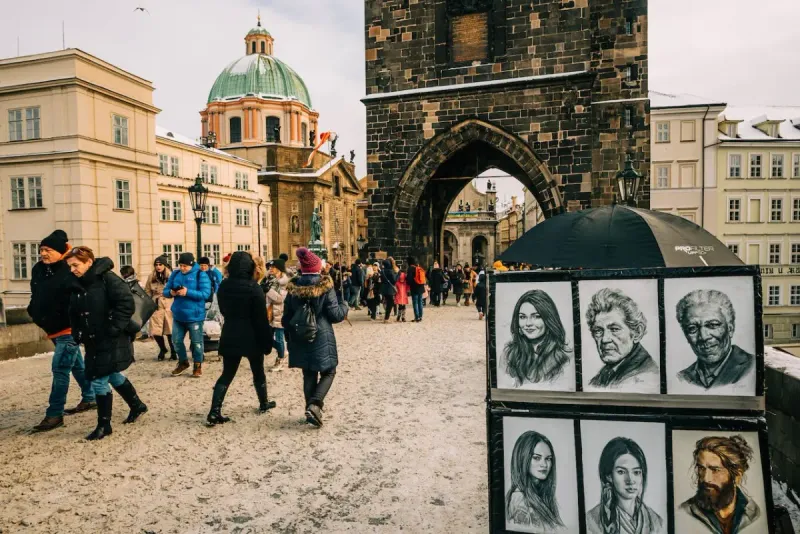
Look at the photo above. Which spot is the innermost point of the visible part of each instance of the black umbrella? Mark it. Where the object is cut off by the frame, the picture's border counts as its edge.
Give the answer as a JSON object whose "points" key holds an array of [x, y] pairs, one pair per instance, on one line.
{"points": [[618, 237]]}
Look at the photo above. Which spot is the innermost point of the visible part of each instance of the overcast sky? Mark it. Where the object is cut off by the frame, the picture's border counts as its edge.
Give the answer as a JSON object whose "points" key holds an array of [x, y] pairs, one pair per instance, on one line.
{"points": [[738, 51]]}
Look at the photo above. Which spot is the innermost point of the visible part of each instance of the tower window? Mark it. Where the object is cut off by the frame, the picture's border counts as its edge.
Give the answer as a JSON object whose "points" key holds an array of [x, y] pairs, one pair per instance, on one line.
{"points": [[236, 129], [253, 47], [263, 47], [273, 130]]}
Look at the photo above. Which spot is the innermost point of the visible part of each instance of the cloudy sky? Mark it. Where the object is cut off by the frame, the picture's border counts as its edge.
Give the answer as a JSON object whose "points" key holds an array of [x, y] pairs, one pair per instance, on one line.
{"points": [[727, 50]]}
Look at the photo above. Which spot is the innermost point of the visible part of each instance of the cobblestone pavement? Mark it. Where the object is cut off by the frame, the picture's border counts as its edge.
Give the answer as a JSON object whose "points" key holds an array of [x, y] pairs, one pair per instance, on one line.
{"points": [[403, 447]]}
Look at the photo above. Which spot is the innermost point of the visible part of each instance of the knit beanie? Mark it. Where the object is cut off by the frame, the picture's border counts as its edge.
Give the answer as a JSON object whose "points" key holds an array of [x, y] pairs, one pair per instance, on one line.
{"points": [[279, 264], [163, 260], [310, 263], [284, 256], [205, 260], [57, 241], [187, 258]]}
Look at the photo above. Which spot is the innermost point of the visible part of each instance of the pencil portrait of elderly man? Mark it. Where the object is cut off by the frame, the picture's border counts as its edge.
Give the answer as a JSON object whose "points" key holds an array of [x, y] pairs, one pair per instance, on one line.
{"points": [[617, 327], [708, 321]]}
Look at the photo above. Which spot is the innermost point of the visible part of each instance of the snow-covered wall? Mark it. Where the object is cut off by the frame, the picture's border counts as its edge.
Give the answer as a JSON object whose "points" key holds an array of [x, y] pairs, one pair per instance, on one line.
{"points": [[782, 377]]}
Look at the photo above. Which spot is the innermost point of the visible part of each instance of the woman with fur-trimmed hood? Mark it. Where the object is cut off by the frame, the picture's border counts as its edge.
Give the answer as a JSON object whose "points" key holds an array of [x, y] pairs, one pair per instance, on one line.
{"points": [[319, 358]]}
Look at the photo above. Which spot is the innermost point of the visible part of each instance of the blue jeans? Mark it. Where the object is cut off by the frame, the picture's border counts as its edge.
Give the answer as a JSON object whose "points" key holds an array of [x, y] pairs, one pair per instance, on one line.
{"points": [[416, 302], [179, 329], [67, 359], [355, 296], [101, 385], [280, 342]]}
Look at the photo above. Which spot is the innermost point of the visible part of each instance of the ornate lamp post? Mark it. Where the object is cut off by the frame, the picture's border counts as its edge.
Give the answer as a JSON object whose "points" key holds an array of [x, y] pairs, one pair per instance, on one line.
{"points": [[628, 182], [198, 193]]}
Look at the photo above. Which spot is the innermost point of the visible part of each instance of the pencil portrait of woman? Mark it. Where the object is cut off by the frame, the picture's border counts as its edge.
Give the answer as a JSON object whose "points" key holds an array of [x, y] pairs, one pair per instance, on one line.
{"points": [[538, 350], [531, 498], [623, 477]]}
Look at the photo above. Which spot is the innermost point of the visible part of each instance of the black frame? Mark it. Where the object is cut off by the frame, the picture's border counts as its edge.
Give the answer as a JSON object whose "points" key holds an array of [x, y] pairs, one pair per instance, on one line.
{"points": [[497, 411], [654, 273]]}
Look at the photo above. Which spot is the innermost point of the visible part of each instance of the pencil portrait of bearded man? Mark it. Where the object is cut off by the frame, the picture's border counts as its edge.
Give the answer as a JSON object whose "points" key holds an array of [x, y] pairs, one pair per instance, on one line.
{"points": [[708, 320]]}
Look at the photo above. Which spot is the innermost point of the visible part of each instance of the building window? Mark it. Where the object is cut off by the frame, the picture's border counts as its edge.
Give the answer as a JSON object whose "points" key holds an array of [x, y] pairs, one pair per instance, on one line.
{"points": [[796, 331], [734, 247], [755, 165], [796, 166], [304, 133], [263, 47], [172, 252], [120, 130], [245, 181], [235, 126], [795, 257], [242, 217], [662, 177], [794, 300], [244, 248], [337, 185], [662, 132], [627, 118], [776, 210], [173, 161], [24, 256], [628, 26], [177, 210], [687, 131], [631, 73], [273, 130], [165, 213], [123, 188], [777, 165], [125, 253], [263, 219], [774, 296], [212, 177], [796, 209], [735, 166], [768, 331], [32, 123], [211, 214], [730, 130], [775, 253], [734, 210], [264, 251], [163, 164], [15, 125], [26, 198], [253, 47], [204, 172], [212, 251]]}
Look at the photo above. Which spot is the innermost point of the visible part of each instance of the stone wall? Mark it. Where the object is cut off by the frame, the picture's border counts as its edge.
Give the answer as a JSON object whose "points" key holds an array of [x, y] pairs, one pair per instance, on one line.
{"points": [[783, 416], [20, 340]]}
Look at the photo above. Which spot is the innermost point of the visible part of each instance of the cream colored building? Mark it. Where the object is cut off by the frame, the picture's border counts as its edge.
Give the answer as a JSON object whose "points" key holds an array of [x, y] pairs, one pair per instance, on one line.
{"points": [[79, 151], [744, 187]]}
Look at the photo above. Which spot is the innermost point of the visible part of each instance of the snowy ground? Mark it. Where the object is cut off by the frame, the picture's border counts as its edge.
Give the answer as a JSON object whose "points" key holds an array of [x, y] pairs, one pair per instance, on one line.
{"points": [[403, 446]]}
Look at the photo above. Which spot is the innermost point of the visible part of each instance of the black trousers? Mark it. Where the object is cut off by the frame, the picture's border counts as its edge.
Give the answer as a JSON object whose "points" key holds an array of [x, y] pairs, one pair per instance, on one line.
{"points": [[316, 385], [445, 294], [230, 365], [436, 297], [388, 304]]}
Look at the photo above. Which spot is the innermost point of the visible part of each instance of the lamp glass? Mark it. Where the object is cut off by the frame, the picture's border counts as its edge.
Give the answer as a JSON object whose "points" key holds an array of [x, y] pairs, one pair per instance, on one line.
{"points": [[198, 194]]}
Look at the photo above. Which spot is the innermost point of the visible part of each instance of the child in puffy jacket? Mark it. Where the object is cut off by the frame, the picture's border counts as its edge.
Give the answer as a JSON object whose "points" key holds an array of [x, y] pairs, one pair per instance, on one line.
{"points": [[401, 299]]}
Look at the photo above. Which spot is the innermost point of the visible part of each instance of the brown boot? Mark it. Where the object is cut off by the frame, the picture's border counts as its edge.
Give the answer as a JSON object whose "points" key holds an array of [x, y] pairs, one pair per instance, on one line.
{"points": [[81, 407], [198, 370], [181, 367], [49, 423]]}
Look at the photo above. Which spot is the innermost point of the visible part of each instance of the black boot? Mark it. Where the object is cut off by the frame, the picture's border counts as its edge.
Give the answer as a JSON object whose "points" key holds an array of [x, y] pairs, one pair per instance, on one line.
{"points": [[104, 408], [128, 394], [172, 354], [264, 405], [215, 416], [162, 348]]}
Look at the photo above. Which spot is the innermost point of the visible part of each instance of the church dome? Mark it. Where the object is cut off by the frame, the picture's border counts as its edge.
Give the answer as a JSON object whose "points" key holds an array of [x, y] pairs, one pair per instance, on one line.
{"points": [[259, 75]]}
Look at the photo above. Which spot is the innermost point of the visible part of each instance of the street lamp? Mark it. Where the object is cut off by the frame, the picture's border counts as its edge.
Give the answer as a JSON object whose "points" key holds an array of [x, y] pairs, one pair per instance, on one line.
{"points": [[198, 193], [628, 182]]}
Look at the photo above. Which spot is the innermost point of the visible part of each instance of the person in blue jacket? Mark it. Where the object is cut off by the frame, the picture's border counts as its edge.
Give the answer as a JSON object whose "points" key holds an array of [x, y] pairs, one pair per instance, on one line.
{"points": [[190, 288], [214, 274]]}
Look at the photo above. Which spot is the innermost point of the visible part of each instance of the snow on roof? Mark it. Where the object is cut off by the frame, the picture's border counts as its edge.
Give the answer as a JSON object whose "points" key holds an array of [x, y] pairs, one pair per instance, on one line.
{"points": [[683, 100], [194, 143], [779, 360], [749, 117], [319, 172]]}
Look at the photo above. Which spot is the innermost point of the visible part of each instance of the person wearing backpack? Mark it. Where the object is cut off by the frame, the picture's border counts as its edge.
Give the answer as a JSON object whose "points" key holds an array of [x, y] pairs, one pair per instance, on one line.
{"points": [[246, 332], [310, 310], [100, 314], [214, 275], [415, 276], [190, 288]]}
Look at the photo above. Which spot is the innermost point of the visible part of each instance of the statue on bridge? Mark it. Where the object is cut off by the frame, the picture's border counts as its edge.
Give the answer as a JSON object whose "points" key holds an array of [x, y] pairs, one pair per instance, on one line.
{"points": [[316, 227]]}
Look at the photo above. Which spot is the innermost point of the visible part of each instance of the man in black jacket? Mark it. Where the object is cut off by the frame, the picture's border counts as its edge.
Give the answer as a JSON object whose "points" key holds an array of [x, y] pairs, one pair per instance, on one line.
{"points": [[51, 286], [357, 281], [416, 290]]}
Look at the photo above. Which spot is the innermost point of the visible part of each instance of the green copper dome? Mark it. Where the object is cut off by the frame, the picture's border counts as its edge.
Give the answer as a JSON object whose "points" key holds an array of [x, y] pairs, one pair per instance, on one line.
{"points": [[259, 75], [258, 30]]}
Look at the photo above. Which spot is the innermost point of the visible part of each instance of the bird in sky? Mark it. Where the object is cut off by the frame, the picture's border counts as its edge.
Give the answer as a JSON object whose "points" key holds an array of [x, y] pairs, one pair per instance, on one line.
{"points": [[142, 9]]}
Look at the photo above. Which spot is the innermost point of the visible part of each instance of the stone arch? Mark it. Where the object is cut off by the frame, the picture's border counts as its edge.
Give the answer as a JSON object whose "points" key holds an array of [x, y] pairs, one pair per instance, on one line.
{"points": [[450, 160], [449, 249]]}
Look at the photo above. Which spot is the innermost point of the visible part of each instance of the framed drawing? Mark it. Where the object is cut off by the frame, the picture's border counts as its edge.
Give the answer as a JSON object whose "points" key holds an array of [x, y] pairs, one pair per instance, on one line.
{"points": [[620, 332], [534, 336]]}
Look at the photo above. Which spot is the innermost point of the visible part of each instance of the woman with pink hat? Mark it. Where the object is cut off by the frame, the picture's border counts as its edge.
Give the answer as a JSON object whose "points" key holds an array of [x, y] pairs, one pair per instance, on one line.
{"points": [[313, 348]]}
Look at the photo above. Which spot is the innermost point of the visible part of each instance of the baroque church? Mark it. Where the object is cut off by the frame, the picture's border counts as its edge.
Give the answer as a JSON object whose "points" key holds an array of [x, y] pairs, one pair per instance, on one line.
{"points": [[260, 109]]}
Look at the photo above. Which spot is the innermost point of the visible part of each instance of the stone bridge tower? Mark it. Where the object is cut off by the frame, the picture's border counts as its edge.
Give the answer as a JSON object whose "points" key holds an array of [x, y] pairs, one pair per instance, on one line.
{"points": [[553, 92]]}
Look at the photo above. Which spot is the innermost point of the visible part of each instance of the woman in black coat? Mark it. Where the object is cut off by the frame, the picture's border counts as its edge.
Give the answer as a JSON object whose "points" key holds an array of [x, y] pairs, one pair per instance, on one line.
{"points": [[246, 332], [480, 295], [319, 358], [373, 290], [100, 314], [457, 281], [388, 279]]}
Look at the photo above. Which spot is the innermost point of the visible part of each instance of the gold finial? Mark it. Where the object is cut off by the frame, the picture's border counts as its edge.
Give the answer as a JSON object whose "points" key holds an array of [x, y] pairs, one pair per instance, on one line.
{"points": [[259, 17]]}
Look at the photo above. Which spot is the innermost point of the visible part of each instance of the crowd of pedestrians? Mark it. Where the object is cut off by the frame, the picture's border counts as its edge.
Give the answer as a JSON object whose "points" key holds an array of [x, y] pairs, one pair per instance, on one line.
{"points": [[78, 299]]}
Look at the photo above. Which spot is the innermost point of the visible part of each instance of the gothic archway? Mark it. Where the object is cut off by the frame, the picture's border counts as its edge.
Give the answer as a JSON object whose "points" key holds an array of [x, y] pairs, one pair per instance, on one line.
{"points": [[449, 249], [443, 167]]}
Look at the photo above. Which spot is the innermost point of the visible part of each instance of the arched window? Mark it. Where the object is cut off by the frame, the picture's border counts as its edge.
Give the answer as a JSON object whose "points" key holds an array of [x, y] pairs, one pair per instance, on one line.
{"points": [[304, 133], [235, 126], [273, 130], [253, 48], [263, 47], [337, 186]]}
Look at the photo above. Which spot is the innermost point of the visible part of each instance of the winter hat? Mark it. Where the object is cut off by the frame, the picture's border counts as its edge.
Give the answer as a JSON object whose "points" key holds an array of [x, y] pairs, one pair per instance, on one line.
{"points": [[227, 258], [204, 261], [163, 260], [187, 258], [57, 241], [279, 264], [310, 263], [284, 256]]}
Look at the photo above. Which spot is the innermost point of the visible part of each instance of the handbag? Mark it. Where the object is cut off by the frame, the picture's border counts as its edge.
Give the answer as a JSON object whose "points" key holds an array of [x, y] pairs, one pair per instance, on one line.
{"points": [[145, 307]]}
